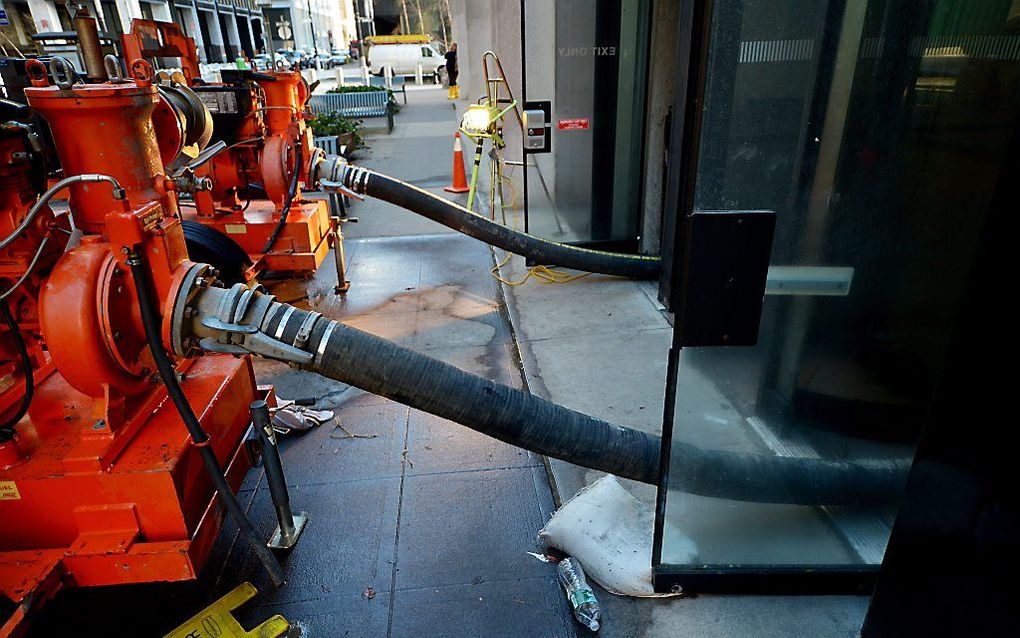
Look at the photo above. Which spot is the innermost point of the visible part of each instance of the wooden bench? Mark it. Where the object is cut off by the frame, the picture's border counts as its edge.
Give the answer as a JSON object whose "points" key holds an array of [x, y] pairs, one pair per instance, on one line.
{"points": [[356, 105]]}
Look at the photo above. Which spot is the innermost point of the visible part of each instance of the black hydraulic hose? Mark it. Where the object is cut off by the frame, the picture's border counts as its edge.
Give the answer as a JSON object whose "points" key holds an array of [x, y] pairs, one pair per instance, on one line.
{"points": [[454, 216], [285, 213], [7, 427], [151, 321], [379, 366]]}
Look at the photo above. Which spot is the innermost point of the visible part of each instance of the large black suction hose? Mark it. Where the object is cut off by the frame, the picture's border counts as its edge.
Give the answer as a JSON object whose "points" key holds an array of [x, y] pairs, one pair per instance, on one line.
{"points": [[452, 215], [167, 372], [381, 367]]}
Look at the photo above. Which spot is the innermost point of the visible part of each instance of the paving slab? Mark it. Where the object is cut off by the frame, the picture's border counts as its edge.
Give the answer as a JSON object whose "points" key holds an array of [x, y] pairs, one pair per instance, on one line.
{"points": [[522, 607], [347, 546], [445, 517], [436, 445]]}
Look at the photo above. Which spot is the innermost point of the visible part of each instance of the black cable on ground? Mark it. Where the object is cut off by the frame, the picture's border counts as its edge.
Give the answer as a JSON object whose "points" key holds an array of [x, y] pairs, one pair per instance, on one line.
{"points": [[458, 218], [379, 366], [151, 321], [291, 192], [7, 427]]}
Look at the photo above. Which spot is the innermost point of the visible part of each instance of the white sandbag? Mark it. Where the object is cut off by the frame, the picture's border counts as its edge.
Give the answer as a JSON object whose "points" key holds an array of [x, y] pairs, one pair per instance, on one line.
{"points": [[610, 533]]}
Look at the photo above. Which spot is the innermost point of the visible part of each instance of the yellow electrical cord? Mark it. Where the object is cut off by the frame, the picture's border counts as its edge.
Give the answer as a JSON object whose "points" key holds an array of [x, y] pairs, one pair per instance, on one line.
{"points": [[541, 274]]}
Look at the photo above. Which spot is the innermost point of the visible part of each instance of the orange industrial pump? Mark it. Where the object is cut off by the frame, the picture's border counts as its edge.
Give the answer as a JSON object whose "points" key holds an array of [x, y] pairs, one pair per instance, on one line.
{"points": [[255, 201], [100, 483]]}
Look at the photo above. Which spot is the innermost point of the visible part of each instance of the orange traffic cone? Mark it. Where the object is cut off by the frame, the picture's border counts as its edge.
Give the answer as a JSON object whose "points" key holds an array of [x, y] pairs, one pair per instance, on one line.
{"points": [[460, 184]]}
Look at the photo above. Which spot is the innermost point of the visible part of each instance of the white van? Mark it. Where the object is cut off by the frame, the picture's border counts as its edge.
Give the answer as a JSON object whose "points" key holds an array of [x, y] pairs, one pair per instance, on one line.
{"points": [[405, 58]]}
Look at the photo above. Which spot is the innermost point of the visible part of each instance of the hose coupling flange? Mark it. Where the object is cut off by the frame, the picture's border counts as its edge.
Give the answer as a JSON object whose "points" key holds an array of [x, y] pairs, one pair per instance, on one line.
{"points": [[233, 321]]}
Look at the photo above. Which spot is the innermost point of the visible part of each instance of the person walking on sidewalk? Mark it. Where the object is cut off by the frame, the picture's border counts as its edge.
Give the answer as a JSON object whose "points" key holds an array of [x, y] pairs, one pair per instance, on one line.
{"points": [[451, 72]]}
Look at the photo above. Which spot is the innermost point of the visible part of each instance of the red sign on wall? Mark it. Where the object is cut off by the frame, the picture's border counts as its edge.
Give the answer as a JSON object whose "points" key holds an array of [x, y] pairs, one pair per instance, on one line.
{"points": [[573, 124]]}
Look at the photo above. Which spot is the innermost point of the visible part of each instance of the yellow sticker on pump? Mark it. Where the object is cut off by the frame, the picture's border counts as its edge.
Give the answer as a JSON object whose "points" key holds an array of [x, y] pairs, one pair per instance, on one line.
{"points": [[9, 491]]}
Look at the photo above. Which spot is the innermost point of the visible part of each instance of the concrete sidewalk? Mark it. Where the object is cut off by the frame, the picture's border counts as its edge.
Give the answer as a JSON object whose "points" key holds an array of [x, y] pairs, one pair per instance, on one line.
{"points": [[419, 526]]}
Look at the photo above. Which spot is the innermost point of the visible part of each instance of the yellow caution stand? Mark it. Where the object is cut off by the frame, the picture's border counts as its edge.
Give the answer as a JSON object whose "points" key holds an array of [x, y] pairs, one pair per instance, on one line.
{"points": [[217, 621]]}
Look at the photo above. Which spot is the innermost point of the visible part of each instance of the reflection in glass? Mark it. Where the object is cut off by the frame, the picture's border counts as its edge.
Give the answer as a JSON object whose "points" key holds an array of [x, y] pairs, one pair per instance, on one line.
{"points": [[589, 57], [876, 131]]}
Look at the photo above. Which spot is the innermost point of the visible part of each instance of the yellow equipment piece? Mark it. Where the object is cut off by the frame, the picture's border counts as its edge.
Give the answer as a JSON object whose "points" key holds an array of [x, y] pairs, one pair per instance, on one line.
{"points": [[419, 38], [216, 621]]}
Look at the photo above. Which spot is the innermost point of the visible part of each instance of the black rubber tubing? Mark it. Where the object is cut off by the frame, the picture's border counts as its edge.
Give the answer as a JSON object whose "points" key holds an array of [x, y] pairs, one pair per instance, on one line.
{"points": [[167, 372], [455, 216], [285, 213], [7, 427], [522, 419]]}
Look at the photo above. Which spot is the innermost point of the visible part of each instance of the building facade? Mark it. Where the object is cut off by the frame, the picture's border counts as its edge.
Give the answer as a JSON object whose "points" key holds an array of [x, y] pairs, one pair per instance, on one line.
{"points": [[222, 29], [290, 24]]}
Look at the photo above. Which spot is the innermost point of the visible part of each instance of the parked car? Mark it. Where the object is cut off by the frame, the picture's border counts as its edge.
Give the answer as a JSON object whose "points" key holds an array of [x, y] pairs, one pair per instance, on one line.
{"points": [[295, 58], [339, 57], [264, 62], [405, 58]]}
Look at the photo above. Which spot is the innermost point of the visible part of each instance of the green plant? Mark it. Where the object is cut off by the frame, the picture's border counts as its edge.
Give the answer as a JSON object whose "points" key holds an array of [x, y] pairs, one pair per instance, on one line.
{"points": [[357, 88], [335, 124]]}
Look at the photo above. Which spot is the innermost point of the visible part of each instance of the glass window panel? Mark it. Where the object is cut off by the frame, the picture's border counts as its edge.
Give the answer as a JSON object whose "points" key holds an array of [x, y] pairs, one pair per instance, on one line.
{"points": [[876, 130]]}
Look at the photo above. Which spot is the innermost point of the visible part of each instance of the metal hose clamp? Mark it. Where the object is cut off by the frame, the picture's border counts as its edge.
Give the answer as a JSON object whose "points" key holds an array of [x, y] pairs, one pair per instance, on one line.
{"points": [[304, 332]]}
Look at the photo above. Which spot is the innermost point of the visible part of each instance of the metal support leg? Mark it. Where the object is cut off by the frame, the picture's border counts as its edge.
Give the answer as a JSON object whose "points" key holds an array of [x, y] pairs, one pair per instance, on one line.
{"points": [[337, 216], [492, 184], [291, 526], [474, 175]]}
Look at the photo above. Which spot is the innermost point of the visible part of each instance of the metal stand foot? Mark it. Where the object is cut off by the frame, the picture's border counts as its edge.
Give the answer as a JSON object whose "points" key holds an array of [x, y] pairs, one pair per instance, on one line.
{"points": [[282, 539], [291, 526]]}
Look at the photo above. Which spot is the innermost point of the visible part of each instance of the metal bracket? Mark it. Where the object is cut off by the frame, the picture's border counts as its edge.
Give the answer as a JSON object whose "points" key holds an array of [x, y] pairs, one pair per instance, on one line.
{"points": [[218, 324], [331, 186], [282, 541], [258, 343], [304, 332], [210, 344]]}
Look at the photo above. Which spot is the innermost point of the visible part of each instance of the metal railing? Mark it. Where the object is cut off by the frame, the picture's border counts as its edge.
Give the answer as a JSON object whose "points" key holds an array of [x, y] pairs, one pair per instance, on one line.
{"points": [[327, 144], [367, 104]]}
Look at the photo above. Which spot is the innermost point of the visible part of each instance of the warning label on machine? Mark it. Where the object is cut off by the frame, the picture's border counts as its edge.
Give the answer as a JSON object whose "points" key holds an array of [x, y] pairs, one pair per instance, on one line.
{"points": [[573, 124], [9, 491]]}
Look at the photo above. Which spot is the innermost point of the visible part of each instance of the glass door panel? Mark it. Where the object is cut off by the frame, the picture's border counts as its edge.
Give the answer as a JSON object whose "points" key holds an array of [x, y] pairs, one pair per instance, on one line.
{"points": [[876, 130]]}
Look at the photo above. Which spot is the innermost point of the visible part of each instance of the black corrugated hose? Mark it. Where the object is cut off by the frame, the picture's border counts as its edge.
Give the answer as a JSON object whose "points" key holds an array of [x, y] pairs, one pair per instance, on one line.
{"points": [[455, 216], [7, 427], [381, 367], [167, 372], [291, 193]]}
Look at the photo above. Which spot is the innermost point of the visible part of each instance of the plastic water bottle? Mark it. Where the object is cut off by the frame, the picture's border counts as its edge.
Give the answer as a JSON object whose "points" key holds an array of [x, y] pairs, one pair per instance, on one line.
{"points": [[580, 595]]}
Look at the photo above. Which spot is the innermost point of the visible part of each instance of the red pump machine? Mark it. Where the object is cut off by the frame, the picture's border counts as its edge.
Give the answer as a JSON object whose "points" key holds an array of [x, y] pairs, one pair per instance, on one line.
{"points": [[255, 201], [101, 484]]}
